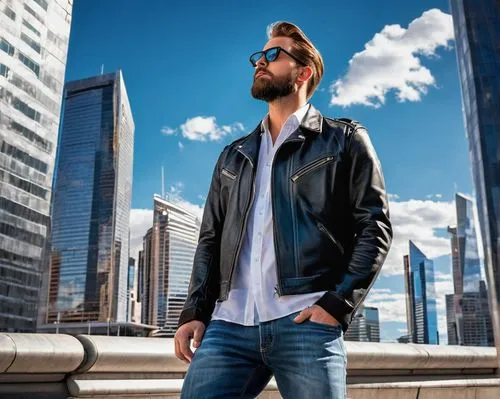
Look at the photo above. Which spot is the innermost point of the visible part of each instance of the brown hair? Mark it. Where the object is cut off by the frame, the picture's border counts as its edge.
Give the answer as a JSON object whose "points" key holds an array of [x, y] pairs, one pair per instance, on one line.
{"points": [[303, 49]]}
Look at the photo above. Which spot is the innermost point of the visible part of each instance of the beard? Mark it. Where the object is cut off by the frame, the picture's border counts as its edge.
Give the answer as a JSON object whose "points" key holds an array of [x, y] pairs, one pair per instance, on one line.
{"points": [[271, 88]]}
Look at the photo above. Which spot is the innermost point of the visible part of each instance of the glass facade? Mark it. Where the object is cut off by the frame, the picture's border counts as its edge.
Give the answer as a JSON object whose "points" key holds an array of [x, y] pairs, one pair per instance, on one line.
{"points": [[467, 317], [90, 216], [33, 50], [365, 326], [424, 327], [477, 36], [169, 249]]}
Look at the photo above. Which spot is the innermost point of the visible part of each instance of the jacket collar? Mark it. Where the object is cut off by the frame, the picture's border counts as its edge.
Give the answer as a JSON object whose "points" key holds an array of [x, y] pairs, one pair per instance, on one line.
{"points": [[311, 123]]}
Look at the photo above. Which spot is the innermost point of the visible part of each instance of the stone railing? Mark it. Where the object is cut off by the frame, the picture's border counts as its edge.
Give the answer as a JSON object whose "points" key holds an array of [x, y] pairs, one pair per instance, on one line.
{"points": [[61, 366]]}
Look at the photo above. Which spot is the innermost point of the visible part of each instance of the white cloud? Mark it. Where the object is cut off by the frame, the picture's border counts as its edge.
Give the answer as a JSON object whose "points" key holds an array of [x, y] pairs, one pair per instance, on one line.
{"points": [[168, 131], [391, 307], [181, 146], [201, 128], [390, 61], [393, 196], [417, 220], [140, 221]]}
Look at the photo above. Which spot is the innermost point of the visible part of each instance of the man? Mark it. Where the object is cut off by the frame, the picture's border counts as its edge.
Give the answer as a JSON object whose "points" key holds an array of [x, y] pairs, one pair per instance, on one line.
{"points": [[295, 230]]}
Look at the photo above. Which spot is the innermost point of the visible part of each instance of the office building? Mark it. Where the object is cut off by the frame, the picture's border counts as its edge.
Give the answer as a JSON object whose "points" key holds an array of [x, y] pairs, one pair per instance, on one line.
{"points": [[421, 297], [365, 327], [91, 208], [34, 38], [477, 40]]}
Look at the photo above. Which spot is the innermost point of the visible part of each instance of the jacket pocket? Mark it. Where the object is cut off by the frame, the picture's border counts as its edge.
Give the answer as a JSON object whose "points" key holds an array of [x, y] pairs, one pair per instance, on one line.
{"points": [[228, 173], [311, 166], [331, 237]]}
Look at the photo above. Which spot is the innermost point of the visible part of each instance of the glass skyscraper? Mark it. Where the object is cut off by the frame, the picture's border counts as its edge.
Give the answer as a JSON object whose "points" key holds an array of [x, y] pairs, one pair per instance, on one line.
{"points": [[365, 326], [421, 297], [468, 320], [477, 36], [34, 37], [91, 207], [169, 249]]}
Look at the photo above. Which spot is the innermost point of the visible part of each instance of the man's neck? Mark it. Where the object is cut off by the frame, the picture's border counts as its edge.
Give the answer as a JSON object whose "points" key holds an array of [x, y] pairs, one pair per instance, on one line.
{"points": [[279, 111]]}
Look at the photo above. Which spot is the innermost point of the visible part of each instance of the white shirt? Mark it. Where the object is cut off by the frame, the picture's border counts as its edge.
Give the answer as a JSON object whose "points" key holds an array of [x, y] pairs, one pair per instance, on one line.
{"points": [[252, 297]]}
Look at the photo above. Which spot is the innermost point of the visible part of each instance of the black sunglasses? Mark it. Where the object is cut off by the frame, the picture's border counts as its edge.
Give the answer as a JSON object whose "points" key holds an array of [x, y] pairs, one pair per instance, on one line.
{"points": [[272, 54]]}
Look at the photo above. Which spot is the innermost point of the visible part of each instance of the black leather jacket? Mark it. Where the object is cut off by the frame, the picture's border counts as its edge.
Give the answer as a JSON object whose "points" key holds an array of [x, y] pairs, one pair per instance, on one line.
{"points": [[330, 213]]}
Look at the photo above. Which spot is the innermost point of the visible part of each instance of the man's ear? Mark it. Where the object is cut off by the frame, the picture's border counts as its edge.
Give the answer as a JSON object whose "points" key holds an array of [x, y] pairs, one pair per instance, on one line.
{"points": [[305, 74]]}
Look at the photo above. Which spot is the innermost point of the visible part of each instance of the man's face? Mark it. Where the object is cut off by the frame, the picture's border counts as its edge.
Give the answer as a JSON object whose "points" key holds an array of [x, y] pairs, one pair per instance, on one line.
{"points": [[277, 78]]}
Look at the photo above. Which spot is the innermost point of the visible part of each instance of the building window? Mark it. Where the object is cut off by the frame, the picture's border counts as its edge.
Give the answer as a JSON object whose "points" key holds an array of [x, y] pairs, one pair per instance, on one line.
{"points": [[23, 212], [42, 3], [26, 109], [31, 136], [6, 46], [31, 27], [27, 186], [30, 64], [30, 42], [24, 157], [32, 12], [9, 12], [11, 257], [21, 234], [4, 70]]}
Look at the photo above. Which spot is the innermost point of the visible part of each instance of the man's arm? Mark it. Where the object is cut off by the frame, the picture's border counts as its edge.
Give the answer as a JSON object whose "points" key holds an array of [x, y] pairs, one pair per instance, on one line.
{"points": [[370, 215], [204, 286]]}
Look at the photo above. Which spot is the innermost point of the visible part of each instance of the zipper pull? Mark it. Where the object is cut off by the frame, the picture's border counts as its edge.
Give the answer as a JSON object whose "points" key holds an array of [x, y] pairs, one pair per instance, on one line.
{"points": [[276, 293]]}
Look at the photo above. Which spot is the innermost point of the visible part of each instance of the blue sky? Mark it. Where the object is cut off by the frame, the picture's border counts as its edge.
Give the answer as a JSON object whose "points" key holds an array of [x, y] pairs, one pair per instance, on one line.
{"points": [[188, 79]]}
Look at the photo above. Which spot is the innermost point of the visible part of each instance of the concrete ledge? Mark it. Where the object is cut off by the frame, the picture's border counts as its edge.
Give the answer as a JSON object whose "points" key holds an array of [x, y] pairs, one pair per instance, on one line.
{"points": [[40, 366], [371, 355], [129, 354], [43, 353]]}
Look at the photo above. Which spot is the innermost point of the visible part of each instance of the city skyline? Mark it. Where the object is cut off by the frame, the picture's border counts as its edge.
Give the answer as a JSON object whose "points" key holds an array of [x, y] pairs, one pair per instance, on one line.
{"points": [[186, 131]]}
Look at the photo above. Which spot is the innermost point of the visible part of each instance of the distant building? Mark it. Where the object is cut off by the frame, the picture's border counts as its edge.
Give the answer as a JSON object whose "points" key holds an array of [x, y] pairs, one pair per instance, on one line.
{"points": [[421, 297], [91, 207], [134, 304], [467, 312], [365, 326], [169, 249]]}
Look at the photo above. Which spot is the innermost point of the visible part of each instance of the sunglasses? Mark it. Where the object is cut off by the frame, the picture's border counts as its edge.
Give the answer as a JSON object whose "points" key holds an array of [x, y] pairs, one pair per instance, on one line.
{"points": [[272, 54]]}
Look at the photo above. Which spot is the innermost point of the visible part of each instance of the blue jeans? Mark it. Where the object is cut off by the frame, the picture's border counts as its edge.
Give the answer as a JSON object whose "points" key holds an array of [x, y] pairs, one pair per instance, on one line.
{"points": [[308, 360]]}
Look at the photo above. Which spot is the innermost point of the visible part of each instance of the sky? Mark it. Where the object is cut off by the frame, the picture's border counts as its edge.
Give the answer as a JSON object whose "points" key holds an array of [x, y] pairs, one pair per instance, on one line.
{"points": [[390, 65]]}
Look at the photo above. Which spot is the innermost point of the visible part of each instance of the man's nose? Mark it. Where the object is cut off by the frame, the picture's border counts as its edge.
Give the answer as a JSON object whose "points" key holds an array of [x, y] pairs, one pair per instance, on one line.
{"points": [[262, 62]]}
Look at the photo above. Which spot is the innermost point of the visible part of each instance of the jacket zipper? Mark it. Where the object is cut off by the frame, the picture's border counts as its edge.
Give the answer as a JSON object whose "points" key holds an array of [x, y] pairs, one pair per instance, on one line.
{"points": [[229, 174], [277, 290], [242, 231], [332, 238], [310, 167]]}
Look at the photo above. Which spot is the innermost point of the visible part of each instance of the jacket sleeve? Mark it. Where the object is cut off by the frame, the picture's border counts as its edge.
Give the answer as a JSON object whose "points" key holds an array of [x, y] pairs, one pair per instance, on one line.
{"points": [[204, 285], [371, 226]]}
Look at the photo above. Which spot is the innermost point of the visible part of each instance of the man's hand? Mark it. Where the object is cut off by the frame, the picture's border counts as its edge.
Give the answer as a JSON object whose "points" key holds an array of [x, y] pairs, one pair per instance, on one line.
{"points": [[317, 314], [193, 329]]}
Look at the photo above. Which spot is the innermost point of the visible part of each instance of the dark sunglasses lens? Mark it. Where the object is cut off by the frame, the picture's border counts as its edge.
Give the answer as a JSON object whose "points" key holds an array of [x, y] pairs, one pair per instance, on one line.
{"points": [[272, 54], [256, 57]]}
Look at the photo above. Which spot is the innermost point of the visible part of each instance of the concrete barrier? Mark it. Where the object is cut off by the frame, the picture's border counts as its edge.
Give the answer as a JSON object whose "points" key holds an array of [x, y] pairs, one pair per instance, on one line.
{"points": [[61, 366]]}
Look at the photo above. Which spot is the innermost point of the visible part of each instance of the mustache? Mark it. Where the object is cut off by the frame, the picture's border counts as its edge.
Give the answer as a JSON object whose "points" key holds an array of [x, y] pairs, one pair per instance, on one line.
{"points": [[263, 71]]}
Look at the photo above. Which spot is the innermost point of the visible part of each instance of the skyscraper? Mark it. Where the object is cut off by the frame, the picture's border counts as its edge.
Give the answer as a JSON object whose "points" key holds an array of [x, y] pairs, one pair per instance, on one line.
{"points": [[365, 326], [477, 41], [34, 39], [468, 319], [91, 207], [171, 244], [421, 297]]}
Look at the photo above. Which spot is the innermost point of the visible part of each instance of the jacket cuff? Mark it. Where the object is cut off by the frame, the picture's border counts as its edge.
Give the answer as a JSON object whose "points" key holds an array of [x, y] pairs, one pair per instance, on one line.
{"points": [[193, 314], [338, 307]]}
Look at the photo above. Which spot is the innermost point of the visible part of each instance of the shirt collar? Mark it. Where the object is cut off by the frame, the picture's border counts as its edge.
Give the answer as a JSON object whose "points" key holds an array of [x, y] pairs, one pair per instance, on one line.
{"points": [[295, 118]]}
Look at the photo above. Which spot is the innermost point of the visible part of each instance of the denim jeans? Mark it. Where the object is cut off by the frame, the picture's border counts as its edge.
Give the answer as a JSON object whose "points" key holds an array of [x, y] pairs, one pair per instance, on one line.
{"points": [[308, 360]]}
